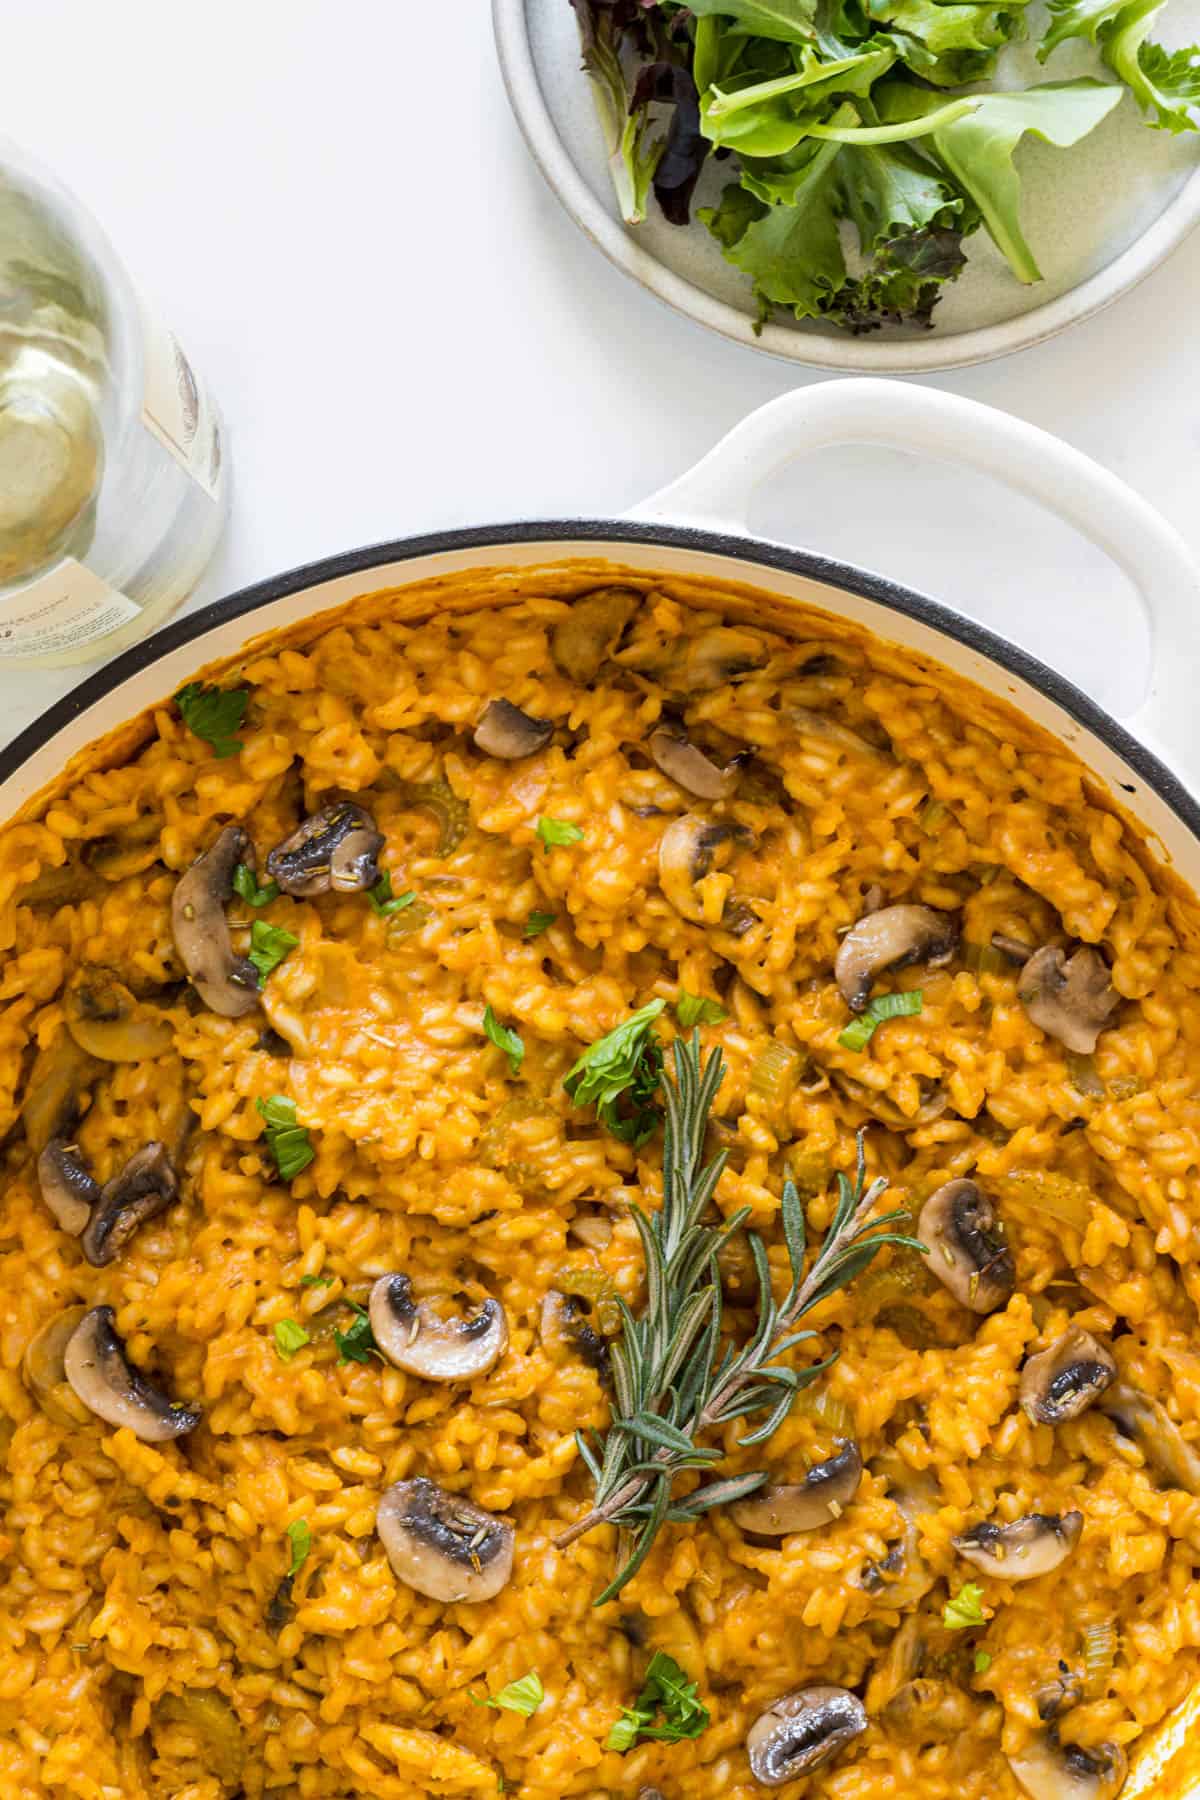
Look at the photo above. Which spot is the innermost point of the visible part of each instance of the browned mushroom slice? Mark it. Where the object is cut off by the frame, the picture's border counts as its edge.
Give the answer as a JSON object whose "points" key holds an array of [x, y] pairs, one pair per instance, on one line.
{"points": [[959, 1227], [1064, 1380], [582, 640], [1033, 1545], [508, 733], [802, 1731], [105, 1020], [336, 848], [67, 1185], [44, 1372], [55, 1090], [826, 1489], [109, 1386], [443, 1545], [146, 1186], [415, 1339], [686, 854], [717, 655], [564, 1321], [820, 725], [1068, 997], [890, 939], [226, 983], [1152, 1428], [681, 762], [1050, 1770]]}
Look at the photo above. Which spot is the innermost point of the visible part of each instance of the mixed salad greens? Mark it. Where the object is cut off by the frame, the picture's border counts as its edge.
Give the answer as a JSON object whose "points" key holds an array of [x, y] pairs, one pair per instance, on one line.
{"points": [[861, 146]]}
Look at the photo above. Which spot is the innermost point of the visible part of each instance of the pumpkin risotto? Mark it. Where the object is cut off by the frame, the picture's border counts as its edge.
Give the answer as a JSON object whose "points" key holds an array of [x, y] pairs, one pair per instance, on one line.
{"points": [[599, 1200]]}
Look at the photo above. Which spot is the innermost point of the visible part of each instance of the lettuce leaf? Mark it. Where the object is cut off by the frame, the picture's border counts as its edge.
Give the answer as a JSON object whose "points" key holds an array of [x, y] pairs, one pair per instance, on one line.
{"points": [[1165, 83], [950, 44], [785, 21], [977, 150]]}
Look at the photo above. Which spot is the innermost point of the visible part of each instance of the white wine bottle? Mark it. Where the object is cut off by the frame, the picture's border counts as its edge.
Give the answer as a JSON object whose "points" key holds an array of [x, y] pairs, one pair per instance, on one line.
{"points": [[113, 468]]}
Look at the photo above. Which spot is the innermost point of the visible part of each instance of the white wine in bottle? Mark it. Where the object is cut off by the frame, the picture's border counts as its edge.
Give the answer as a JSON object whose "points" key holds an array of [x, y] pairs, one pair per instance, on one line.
{"points": [[113, 470]]}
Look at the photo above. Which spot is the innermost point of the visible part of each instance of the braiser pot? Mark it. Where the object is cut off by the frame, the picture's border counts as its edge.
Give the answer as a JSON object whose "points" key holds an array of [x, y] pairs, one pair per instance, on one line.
{"points": [[696, 528]]}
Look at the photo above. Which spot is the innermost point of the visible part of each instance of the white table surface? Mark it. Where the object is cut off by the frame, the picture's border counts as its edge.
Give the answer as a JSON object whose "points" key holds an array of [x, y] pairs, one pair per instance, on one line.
{"points": [[339, 218]]}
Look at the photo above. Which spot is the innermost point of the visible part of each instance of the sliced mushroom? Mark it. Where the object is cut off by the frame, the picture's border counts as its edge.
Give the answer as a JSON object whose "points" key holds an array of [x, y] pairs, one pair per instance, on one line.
{"points": [[890, 939], [67, 1185], [44, 1372], [802, 1731], [1049, 1770], [933, 1101], [1063, 1381], [443, 1545], [414, 1339], [336, 848], [1069, 997], [685, 856], [1011, 947], [902, 1577], [105, 1020], [109, 1386], [564, 1321], [717, 655], [806, 1505], [681, 762], [959, 1228], [507, 732], [582, 640], [1057, 1697], [818, 724], [1151, 1427], [146, 1186], [1032, 1545], [54, 1091], [226, 983]]}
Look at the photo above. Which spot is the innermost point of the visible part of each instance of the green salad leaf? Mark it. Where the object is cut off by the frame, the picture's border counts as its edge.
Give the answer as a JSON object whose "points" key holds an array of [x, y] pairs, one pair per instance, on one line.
{"points": [[1165, 83], [619, 1075]]}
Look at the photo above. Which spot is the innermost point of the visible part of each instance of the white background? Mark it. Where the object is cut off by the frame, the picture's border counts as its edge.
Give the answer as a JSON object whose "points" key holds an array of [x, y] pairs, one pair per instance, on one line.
{"points": [[335, 211]]}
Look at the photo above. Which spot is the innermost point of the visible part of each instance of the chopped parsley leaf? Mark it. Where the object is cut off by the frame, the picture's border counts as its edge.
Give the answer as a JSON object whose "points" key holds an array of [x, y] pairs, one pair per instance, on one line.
{"points": [[983, 1662], [289, 1337], [537, 922], [384, 902], [558, 831], [965, 1610], [214, 714], [625, 1065], [523, 1696], [314, 1281], [300, 1538], [245, 883], [506, 1039], [289, 1143], [697, 1009], [860, 1031], [269, 944], [357, 1343], [666, 1691]]}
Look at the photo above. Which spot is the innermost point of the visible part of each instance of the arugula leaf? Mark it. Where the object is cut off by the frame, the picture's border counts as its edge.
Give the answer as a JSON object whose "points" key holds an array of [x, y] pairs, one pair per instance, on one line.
{"points": [[213, 714], [537, 922], [506, 1039], [523, 1696], [965, 1610], [789, 21], [625, 1064], [289, 1337], [633, 155], [384, 902], [269, 945], [697, 1009], [666, 1690], [357, 1343], [1164, 83], [245, 883], [300, 1538], [861, 1030], [558, 831], [978, 148], [288, 1142]]}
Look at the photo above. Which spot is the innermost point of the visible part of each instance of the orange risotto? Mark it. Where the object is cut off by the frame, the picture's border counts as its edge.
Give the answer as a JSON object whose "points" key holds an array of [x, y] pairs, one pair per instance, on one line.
{"points": [[341, 1002]]}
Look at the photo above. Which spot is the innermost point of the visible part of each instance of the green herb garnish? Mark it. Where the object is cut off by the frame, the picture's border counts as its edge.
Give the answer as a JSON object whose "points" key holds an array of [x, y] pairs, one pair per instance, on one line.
{"points": [[300, 1538], [537, 922], [506, 1039], [269, 944], [288, 1142], [289, 1337], [384, 902], [675, 1376], [315, 1281], [523, 1696], [982, 1662], [860, 1031], [357, 1343], [965, 1610], [696, 1009], [558, 831], [666, 1708], [624, 1066], [214, 714], [245, 883]]}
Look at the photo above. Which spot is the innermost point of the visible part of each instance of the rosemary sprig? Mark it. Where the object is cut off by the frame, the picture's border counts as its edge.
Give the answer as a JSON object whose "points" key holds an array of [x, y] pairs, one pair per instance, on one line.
{"points": [[674, 1378]]}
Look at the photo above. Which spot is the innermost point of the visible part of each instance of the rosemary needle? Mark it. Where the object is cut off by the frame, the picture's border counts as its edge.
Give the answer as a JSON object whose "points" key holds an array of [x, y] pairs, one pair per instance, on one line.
{"points": [[674, 1379]]}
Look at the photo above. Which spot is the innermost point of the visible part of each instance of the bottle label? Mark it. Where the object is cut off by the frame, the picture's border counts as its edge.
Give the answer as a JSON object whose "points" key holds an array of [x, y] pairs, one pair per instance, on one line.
{"points": [[63, 610], [177, 410]]}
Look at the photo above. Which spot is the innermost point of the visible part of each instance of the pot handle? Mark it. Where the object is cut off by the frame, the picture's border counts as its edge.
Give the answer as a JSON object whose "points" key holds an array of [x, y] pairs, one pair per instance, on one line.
{"points": [[716, 494]]}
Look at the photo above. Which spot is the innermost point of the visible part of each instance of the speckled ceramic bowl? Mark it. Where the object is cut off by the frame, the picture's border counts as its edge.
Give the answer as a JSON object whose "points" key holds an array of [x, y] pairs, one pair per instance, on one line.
{"points": [[1099, 217]]}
